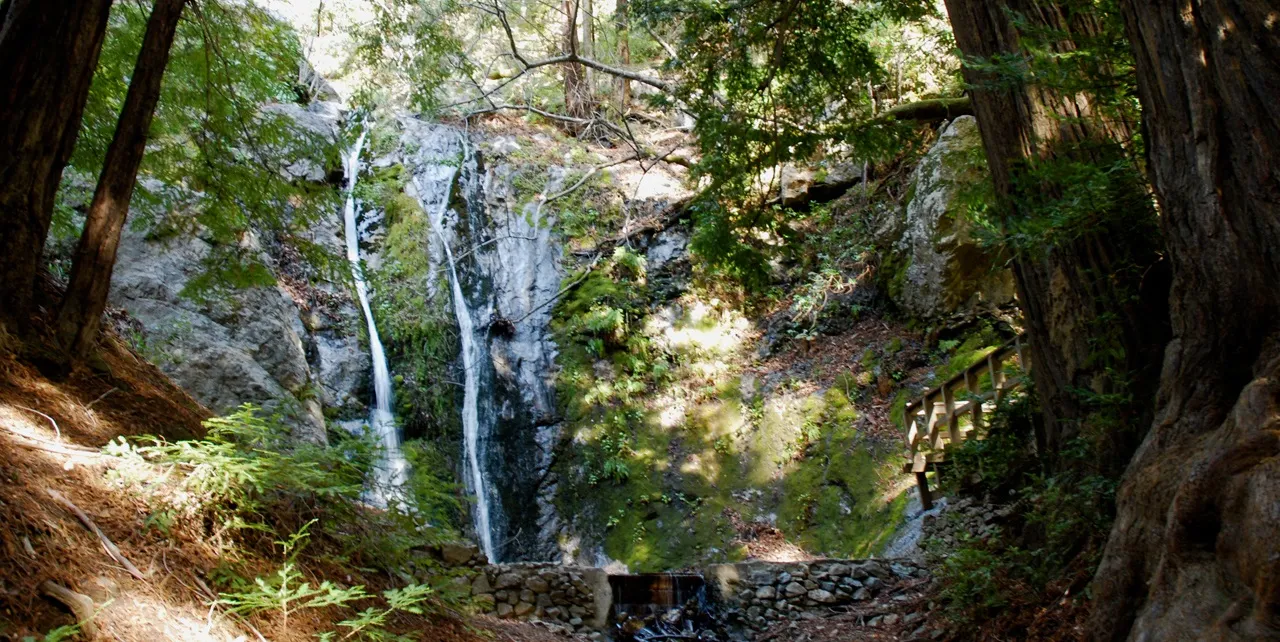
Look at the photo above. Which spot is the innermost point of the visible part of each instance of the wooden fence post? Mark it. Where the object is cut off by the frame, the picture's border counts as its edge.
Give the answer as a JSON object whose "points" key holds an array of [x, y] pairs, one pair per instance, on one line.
{"points": [[926, 497]]}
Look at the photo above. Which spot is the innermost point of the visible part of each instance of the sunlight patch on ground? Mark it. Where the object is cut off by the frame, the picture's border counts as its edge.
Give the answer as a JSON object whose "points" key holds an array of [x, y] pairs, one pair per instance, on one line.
{"points": [[698, 330]]}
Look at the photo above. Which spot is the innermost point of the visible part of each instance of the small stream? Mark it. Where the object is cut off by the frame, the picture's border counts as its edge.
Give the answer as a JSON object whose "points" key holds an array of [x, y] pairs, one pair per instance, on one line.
{"points": [[906, 541], [392, 469]]}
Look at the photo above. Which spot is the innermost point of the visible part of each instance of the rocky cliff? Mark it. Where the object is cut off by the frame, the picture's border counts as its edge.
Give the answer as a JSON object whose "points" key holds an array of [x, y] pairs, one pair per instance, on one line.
{"points": [[293, 347]]}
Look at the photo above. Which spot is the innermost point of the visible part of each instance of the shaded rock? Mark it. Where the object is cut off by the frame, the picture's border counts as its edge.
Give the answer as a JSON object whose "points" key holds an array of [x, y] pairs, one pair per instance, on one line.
{"points": [[457, 553], [821, 596], [944, 268]]}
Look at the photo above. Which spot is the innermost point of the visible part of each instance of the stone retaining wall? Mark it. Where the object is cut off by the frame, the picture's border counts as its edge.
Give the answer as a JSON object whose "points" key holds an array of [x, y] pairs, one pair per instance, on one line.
{"points": [[574, 596], [750, 596], [760, 594]]}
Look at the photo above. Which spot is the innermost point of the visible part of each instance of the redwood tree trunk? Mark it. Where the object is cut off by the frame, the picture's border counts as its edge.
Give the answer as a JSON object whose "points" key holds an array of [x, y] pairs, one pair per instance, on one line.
{"points": [[1082, 286], [95, 256], [1195, 550], [49, 51]]}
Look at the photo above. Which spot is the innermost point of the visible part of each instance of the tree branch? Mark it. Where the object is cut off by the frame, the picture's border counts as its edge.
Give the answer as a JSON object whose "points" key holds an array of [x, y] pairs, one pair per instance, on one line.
{"points": [[571, 58], [930, 110]]}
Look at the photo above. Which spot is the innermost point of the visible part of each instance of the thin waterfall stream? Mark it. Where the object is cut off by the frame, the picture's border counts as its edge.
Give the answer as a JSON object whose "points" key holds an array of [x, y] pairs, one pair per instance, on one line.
{"points": [[391, 472], [471, 356]]}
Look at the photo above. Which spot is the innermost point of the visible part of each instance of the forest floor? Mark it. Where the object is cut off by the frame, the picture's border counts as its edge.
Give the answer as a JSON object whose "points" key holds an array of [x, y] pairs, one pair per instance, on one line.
{"points": [[52, 466]]}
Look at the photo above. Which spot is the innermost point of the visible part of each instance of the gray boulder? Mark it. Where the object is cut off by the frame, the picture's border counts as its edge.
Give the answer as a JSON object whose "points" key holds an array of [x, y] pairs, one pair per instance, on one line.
{"points": [[246, 347], [940, 267]]}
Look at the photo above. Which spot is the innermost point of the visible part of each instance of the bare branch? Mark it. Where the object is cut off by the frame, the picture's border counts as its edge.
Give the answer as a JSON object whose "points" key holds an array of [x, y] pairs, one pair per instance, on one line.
{"points": [[571, 58]]}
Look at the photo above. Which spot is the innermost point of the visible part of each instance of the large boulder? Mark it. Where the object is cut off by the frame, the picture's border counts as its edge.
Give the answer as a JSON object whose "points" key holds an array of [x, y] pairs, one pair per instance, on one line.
{"points": [[938, 265], [245, 347]]}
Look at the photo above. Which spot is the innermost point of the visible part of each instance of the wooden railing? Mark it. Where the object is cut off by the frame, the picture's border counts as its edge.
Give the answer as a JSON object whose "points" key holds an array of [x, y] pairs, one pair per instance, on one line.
{"points": [[935, 419]]}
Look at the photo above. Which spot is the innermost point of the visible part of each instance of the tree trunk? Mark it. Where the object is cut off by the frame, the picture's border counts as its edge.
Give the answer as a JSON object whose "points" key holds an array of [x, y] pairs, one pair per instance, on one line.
{"points": [[1081, 286], [49, 52], [622, 19], [1195, 550], [575, 96], [589, 41], [95, 256]]}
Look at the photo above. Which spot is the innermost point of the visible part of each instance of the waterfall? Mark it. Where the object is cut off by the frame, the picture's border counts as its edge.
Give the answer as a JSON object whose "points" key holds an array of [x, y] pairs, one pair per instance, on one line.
{"points": [[473, 472], [391, 471]]}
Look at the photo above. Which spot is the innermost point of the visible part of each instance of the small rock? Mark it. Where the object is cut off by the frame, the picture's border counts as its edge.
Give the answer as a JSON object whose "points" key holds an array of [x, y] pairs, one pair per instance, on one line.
{"points": [[795, 589], [822, 597], [891, 619], [507, 580], [766, 593], [537, 584], [523, 609], [504, 610], [457, 554]]}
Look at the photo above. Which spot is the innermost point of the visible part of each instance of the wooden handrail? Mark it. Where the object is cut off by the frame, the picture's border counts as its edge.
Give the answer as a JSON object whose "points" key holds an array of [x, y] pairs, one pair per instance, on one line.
{"points": [[929, 431]]}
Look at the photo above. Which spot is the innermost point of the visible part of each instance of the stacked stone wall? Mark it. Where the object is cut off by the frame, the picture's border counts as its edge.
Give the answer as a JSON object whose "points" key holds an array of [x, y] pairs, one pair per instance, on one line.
{"points": [[757, 595], [572, 596]]}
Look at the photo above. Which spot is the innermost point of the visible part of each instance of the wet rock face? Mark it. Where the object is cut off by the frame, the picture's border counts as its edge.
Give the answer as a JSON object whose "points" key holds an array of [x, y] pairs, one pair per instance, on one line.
{"points": [[524, 268], [254, 345], [944, 269]]}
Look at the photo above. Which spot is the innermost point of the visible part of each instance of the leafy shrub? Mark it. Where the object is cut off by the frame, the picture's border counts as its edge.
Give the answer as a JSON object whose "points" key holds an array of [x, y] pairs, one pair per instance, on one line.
{"points": [[247, 476], [1059, 521], [287, 592]]}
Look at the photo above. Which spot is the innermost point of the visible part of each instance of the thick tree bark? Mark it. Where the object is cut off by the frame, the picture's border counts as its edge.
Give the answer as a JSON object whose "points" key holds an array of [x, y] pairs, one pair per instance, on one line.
{"points": [[1067, 289], [1195, 550], [95, 256], [49, 52]]}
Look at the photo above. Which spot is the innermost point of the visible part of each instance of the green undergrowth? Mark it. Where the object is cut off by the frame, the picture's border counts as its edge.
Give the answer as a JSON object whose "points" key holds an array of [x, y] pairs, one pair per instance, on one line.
{"points": [[1058, 523], [413, 313], [834, 499], [674, 445], [282, 513]]}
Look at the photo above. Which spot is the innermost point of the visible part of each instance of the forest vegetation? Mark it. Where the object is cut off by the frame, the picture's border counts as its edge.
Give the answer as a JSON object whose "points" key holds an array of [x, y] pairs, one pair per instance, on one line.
{"points": [[1123, 181]]}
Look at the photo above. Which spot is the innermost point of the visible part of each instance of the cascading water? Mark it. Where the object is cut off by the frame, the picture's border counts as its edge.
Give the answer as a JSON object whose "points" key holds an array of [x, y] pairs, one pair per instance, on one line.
{"points": [[502, 259], [473, 471], [391, 472]]}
